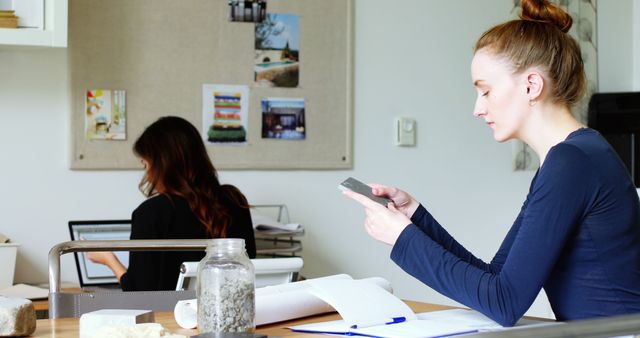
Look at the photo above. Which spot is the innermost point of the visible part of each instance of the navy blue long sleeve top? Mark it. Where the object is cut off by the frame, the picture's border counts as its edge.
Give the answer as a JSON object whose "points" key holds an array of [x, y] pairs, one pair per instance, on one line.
{"points": [[577, 236]]}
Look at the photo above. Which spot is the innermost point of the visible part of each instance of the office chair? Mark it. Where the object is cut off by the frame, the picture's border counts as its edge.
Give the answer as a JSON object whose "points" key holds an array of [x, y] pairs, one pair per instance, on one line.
{"points": [[269, 271], [72, 304]]}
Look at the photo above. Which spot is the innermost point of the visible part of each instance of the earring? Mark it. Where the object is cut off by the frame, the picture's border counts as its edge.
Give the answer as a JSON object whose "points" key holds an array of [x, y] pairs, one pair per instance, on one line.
{"points": [[532, 103]]}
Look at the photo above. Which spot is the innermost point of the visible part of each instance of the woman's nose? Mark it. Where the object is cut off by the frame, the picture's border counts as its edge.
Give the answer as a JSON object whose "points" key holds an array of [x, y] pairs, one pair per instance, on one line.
{"points": [[478, 110]]}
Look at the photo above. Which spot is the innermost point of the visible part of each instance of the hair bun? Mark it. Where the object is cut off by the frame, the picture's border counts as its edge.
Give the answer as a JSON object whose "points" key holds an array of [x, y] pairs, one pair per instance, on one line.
{"points": [[545, 11]]}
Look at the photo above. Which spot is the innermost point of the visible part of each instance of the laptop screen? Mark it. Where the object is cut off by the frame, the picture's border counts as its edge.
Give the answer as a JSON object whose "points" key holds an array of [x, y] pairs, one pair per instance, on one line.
{"points": [[89, 273]]}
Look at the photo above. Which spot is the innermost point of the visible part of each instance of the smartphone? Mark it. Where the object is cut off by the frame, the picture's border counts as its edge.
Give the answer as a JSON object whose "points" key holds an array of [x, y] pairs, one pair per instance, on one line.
{"points": [[362, 189]]}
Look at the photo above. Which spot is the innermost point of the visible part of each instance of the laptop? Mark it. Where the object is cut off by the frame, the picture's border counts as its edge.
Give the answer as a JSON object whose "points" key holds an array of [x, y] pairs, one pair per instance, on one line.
{"points": [[92, 275]]}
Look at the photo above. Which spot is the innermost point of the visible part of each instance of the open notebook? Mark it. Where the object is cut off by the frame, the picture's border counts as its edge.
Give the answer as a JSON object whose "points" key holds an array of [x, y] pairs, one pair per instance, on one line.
{"points": [[369, 310]]}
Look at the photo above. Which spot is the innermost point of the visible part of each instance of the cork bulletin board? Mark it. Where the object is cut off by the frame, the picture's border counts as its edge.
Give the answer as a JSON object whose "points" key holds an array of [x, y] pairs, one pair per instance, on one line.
{"points": [[161, 53]]}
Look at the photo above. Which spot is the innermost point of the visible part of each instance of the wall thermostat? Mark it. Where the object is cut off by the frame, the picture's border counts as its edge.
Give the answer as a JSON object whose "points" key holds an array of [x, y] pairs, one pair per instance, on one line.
{"points": [[405, 132]]}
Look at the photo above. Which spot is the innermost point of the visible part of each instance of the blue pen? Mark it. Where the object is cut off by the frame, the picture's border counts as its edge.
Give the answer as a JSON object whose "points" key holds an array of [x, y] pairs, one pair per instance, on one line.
{"points": [[394, 320]]}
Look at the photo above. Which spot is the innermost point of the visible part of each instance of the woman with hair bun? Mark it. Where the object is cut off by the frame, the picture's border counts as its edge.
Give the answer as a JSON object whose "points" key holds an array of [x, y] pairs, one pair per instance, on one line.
{"points": [[185, 201], [577, 235]]}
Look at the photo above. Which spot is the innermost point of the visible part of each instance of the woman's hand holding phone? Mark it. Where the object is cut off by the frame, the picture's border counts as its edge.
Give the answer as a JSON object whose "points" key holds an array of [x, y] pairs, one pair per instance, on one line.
{"points": [[382, 222], [401, 199]]}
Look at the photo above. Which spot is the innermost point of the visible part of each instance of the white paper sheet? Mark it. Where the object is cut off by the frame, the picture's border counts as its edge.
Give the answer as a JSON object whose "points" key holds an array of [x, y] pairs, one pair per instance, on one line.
{"points": [[408, 329], [427, 324], [25, 291], [361, 303], [263, 223], [278, 303]]}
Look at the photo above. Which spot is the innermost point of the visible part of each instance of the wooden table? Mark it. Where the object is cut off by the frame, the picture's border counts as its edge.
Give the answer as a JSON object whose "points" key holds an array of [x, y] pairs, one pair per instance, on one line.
{"points": [[41, 304], [69, 327]]}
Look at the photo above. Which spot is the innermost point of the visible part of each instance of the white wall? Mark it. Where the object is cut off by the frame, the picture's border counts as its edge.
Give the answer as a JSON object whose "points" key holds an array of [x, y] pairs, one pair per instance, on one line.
{"points": [[616, 45], [407, 62]]}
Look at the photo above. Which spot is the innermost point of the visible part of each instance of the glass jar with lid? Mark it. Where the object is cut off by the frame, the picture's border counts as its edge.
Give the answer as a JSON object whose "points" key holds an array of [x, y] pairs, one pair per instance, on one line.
{"points": [[225, 288]]}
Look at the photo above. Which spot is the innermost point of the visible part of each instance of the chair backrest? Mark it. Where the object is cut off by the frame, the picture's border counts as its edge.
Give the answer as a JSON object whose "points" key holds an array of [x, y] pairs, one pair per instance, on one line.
{"points": [[269, 271], [72, 304]]}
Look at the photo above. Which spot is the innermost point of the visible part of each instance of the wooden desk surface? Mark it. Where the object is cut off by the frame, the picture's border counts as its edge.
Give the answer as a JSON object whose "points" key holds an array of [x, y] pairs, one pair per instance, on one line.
{"points": [[41, 304], [69, 327]]}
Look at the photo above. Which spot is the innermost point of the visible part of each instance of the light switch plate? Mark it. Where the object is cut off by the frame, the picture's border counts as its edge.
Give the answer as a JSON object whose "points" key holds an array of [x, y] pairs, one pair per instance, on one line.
{"points": [[405, 131]]}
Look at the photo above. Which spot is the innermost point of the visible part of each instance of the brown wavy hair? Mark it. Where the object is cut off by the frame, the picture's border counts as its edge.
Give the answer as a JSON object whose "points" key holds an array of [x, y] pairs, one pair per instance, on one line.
{"points": [[540, 39], [178, 164]]}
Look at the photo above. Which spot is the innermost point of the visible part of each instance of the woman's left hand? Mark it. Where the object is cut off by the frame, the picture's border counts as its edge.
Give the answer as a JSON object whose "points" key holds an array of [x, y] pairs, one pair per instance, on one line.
{"points": [[101, 257], [109, 259], [383, 224]]}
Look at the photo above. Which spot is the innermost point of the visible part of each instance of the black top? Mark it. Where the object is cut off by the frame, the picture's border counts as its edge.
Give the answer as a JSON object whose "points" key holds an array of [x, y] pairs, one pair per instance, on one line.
{"points": [[163, 217]]}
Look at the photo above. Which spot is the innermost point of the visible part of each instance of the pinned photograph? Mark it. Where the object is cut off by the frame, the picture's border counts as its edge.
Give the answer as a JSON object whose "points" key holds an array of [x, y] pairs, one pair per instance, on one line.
{"points": [[105, 115], [277, 51], [283, 118], [247, 10], [225, 113]]}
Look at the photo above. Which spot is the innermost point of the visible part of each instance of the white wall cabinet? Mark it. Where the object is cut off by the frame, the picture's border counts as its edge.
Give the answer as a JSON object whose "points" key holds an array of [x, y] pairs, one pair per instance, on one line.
{"points": [[54, 33]]}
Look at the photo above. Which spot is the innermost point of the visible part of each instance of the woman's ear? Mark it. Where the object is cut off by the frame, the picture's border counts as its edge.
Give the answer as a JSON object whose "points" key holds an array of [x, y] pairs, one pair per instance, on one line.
{"points": [[535, 84]]}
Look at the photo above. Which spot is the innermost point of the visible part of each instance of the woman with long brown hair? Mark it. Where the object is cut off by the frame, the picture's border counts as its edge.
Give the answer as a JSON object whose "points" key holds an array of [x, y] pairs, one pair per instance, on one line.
{"points": [[578, 232], [185, 201]]}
